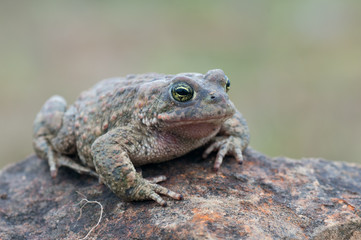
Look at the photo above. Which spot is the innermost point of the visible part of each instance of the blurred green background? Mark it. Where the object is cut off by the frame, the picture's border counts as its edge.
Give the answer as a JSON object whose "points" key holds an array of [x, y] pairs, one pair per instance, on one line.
{"points": [[295, 66]]}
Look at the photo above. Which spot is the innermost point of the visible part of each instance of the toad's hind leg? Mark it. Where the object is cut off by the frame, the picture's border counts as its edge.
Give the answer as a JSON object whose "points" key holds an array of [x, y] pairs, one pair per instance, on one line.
{"points": [[53, 136]]}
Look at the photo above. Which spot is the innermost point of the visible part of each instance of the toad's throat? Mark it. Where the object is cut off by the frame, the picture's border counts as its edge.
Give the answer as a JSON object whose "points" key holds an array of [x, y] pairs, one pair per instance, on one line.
{"points": [[196, 130]]}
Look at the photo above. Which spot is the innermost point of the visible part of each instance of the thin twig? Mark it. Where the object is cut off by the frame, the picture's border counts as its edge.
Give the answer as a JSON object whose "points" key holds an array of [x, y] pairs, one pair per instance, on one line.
{"points": [[81, 212]]}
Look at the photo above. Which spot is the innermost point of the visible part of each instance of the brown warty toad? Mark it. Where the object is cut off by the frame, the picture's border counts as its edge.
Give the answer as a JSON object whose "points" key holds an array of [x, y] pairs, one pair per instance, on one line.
{"points": [[122, 123]]}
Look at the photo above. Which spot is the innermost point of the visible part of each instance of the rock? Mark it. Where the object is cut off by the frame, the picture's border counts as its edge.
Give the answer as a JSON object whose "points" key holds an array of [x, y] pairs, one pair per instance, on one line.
{"points": [[265, 198]]}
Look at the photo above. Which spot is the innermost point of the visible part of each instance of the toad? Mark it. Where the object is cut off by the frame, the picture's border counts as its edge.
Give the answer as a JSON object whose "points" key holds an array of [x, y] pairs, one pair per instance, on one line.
{"points": [[122, 123]]}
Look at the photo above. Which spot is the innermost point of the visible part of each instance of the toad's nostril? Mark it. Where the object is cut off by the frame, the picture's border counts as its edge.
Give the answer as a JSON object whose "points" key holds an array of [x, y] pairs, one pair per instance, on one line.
{"points": [[214, 97]]}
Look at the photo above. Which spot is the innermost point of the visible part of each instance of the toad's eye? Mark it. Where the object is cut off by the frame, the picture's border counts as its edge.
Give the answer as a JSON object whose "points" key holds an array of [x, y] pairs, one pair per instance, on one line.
{"points": [[228, 84], [182, 92]]}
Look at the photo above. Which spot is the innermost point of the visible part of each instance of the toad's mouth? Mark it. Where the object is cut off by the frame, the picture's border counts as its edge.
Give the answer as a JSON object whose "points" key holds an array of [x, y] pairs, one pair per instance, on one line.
{"points": [[190, 121], [180, 120]]}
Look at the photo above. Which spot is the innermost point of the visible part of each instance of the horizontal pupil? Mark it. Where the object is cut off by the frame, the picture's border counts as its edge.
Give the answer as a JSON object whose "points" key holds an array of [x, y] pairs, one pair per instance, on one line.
{"points": [[182, 91]]}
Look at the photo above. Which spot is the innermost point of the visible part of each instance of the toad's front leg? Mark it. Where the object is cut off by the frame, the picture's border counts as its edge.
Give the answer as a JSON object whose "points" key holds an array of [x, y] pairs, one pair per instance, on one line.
{"points": [[233, 139], [115, 169]]}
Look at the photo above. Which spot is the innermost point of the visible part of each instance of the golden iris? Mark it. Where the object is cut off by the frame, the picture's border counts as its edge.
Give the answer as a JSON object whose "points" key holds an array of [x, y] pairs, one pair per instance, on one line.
{"points": [[228, 84], [182, 92]]}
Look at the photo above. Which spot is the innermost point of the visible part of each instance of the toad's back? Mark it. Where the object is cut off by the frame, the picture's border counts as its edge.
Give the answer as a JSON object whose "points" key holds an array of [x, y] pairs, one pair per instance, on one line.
{"points": [[109, 104]]}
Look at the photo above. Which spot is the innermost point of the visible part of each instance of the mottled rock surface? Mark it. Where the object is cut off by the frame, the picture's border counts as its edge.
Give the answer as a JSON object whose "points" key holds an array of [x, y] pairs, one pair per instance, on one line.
{"points": [[265, 198]]}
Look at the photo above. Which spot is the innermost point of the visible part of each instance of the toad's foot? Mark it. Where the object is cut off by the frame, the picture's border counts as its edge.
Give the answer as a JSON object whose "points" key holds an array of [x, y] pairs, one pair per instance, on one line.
{"points": [[225, 145], [56, 160], [157, 179], [147, 190], [65, 161]]}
